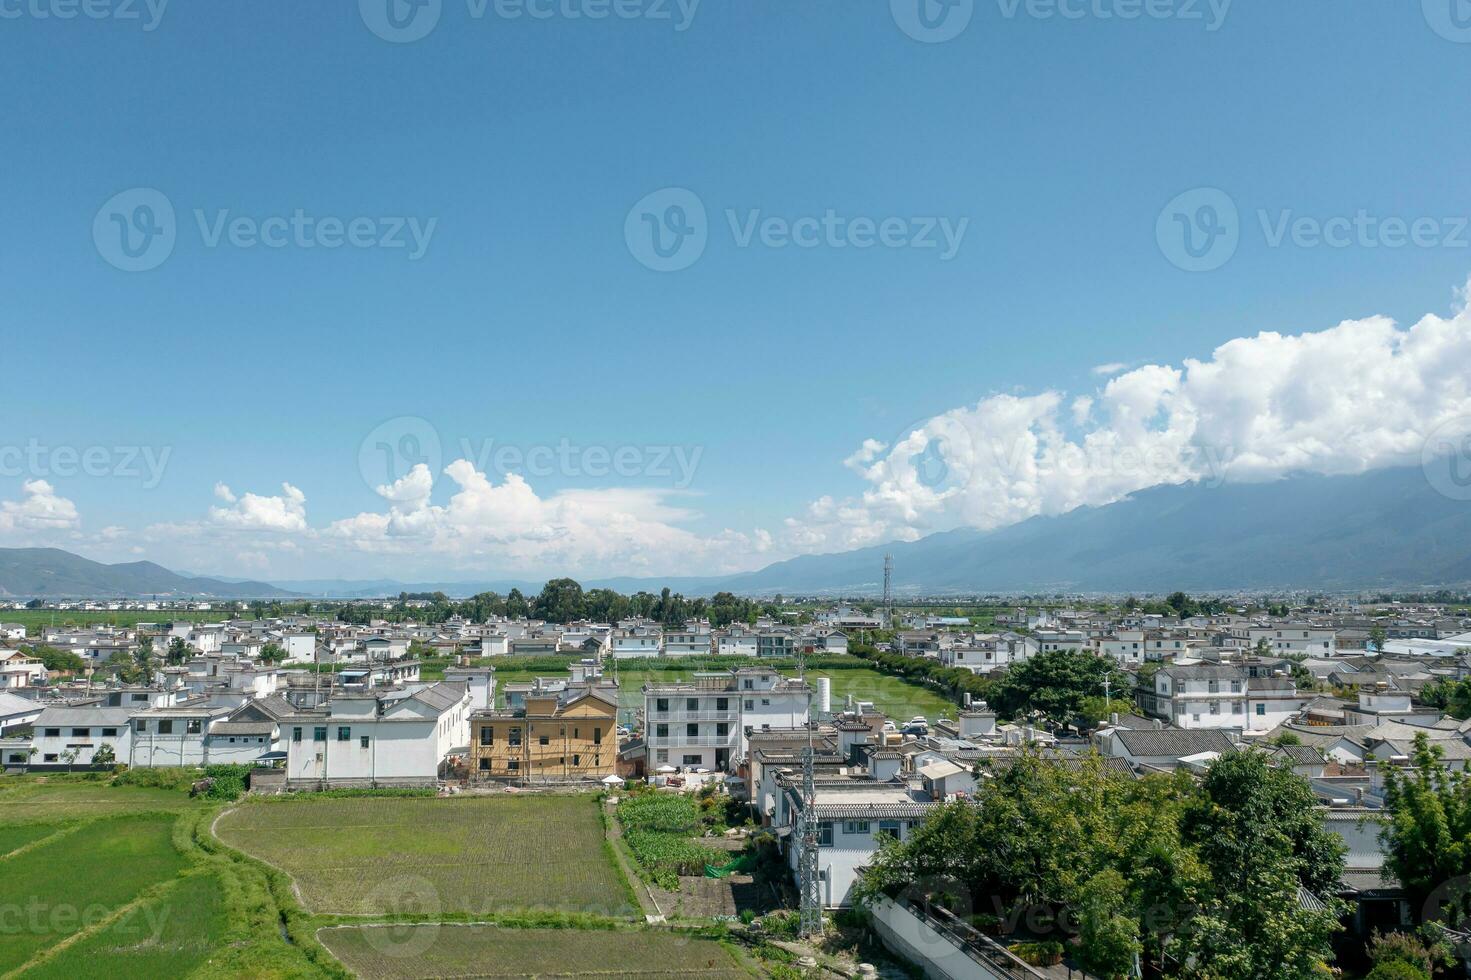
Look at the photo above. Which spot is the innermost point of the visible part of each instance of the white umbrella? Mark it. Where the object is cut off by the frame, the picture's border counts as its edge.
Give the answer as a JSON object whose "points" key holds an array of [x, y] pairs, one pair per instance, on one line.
{"points": [[666, 769], [611, 780]]}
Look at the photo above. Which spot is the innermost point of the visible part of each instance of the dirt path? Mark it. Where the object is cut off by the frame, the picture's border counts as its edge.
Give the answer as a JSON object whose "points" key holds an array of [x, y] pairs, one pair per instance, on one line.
{"points": [[647, 904]]}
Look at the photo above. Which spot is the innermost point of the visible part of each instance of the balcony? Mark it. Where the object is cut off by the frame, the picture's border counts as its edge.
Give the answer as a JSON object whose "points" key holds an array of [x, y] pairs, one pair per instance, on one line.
{"points": [[729, 714]]}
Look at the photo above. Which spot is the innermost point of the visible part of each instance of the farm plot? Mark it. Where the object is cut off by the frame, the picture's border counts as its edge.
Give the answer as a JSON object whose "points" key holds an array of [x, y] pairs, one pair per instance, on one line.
{"points": [[423, 857], [410, 952], [60, 887], [166, 936], [29, 800]]}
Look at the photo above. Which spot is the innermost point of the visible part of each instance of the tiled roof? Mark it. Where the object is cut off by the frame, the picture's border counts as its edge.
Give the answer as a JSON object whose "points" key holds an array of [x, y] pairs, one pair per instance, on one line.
{"points": [[1173, 742]]}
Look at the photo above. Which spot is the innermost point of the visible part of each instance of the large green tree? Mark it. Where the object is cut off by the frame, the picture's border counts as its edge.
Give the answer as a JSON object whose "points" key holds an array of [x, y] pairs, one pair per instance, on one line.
{"points": [[1055, 683], [1427, 832]]}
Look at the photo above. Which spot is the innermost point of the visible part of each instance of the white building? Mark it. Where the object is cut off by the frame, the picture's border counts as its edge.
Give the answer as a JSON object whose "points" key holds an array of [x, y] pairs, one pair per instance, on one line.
{"points": [[67, 735], [702, 723], [20, 670], [398, 737]]}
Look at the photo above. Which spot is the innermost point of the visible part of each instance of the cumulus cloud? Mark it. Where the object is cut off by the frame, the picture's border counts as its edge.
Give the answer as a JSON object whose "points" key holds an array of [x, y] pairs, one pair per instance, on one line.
{"points": [[254, 512], [508, 526], [39, 509], [1111, 368], [1362, 395]]}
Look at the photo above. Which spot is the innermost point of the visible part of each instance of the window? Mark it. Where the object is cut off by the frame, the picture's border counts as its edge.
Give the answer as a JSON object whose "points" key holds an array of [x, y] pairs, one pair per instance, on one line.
{"points": [[661, 755], [484, 764], [513, 739], [194, 726], [693, 760], [748, 685], [661, 731], [722, 729], [722, 704], [49, 757], [296, 734], [487, 735], [81, 732], [890, 827], [825, 834], [577, 760], [765, 702], [139, 697], [363, 742], [165, 726], [597, 736], [855, 826], [661, 704], [344, 733], [750, 704], [1261, 709], [319, 733], [513, 764], [692, 704], [56, 732], [544, 740], [692, 730], [109, 733]]}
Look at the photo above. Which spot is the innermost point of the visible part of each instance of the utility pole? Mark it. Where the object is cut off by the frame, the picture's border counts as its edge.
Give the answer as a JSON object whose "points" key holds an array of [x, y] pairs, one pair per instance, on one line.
{"points": [[889, 590], [808, 828]]}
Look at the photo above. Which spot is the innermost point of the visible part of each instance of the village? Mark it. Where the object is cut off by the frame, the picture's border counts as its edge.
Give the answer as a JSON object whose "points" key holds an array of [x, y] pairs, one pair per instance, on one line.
{"points": [[1336, 693]]}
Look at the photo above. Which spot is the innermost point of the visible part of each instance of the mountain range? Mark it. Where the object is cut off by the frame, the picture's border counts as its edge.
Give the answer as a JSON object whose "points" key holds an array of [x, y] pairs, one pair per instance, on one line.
{"points": [[1384, 529], [51, 572]]}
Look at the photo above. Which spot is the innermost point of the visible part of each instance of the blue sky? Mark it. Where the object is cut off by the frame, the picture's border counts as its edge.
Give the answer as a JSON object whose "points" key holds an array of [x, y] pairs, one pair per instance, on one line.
{"points": [[529, 320]]}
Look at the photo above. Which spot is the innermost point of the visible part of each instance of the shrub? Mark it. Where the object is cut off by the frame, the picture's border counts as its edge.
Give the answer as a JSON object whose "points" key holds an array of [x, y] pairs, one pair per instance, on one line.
{"points": [[161, 777], [1397, 970]]}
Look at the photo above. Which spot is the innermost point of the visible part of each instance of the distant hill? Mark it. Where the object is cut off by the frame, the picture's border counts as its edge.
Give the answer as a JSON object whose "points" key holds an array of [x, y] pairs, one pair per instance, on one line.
{"points": [[1388, 528], [53, 573]]}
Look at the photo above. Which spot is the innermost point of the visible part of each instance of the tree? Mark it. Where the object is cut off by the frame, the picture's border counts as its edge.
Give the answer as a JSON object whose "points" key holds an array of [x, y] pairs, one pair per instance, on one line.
{"points": [[104, 756], [1377, 638], [61, 661], [1055, 683], [178, 652], [560, 601], [70, 758], [272, 653], [1256, 829], [1427, 831]]}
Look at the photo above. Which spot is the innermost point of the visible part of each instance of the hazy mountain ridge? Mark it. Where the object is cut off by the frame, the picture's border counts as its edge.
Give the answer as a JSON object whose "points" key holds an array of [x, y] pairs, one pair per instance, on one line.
{"points": [[1384, 529], [53, 573]]}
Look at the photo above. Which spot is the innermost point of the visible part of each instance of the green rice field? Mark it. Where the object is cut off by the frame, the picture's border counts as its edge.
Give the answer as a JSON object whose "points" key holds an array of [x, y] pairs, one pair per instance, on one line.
{"points": [[425, 856], [411, 952]]}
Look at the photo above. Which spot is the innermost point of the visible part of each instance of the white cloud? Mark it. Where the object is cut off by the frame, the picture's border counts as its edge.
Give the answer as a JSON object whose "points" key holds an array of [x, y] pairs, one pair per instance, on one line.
{"points": [[1111, 368], [509, 528], [40, 509], [253, 512], [1362, 395]]}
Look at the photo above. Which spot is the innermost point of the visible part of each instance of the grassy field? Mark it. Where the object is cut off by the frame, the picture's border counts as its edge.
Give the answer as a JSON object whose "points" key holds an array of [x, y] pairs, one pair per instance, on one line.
{"points": [[63, 886], [167, 935], [403, 953], [898, 698], [418, 856], [34, 619], [119, 881]]}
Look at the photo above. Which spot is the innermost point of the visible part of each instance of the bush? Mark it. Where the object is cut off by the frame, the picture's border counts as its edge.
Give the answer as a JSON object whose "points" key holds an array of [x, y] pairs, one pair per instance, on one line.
{"points": [[227, 782], [1043, 953], [161, 777], [1397, 970]]}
